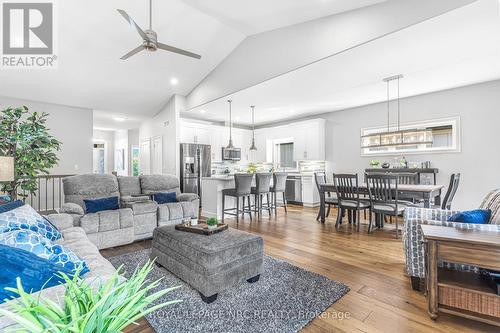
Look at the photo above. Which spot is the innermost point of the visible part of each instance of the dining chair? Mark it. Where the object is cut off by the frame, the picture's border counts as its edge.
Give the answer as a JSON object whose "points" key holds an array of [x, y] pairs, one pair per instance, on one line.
{"points": [[320, 178], [279, 186], [384, 201], [262, 188], [452, 190], [347, 188], [408, 178], [242, 189]]}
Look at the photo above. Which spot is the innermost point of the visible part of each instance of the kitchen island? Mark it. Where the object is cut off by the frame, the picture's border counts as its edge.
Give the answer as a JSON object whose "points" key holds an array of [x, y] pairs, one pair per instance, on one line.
{"points": [[211, 195]]}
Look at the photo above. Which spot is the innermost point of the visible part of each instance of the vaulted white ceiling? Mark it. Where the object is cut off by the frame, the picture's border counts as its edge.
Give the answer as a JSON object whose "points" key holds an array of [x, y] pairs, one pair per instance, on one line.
{"points": [[458, 48], [255, 16], [92, 36]]}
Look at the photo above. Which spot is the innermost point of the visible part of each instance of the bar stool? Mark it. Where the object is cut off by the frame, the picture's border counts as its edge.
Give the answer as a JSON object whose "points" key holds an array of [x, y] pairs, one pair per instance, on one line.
{"points": [[242, 189], [279, 186], [262, 187]]}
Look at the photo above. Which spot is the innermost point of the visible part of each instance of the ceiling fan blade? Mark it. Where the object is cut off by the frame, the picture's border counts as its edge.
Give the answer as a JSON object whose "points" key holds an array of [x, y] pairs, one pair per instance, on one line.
{"points": [[132, 23], [179, 51], [131, 53]]}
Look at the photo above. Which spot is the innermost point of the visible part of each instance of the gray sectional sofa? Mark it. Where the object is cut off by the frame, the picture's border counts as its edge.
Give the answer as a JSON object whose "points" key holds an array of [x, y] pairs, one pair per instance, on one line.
{"points": [[76, 240], [138, 215]]}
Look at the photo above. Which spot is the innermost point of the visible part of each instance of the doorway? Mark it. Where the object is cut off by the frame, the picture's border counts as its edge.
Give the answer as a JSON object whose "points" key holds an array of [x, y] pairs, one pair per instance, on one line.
{"points": [[99, 158]]}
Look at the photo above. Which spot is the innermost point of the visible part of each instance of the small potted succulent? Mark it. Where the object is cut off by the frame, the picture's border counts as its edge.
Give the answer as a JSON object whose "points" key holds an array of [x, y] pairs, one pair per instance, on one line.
{"points": [[212, 223]]}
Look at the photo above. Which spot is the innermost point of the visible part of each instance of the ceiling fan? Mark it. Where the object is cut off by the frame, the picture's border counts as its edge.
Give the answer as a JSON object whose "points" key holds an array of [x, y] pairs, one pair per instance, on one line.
{"points": [[150, 38]]}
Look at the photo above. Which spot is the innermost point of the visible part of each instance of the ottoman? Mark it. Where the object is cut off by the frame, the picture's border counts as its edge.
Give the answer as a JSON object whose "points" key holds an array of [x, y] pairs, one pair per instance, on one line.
{"points": [[212, 263]]}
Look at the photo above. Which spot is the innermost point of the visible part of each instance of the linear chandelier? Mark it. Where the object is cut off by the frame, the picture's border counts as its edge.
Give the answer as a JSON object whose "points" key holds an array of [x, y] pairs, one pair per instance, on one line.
{"points": [[396, 137]]}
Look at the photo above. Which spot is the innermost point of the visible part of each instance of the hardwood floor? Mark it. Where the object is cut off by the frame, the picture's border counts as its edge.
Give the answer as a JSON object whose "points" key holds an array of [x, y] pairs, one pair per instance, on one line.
{"points": [[381, 298]]}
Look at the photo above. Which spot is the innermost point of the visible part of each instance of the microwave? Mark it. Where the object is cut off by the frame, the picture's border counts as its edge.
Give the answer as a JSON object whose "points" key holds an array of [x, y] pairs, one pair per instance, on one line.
{"points": [[233, 154]]}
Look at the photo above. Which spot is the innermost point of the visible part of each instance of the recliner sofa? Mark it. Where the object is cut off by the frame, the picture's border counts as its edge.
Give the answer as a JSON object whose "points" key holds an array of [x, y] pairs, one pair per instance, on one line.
{"points": [[138, 215]]}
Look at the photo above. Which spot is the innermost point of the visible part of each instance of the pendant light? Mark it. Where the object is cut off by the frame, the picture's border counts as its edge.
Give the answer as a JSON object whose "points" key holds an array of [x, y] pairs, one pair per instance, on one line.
{"points": [[230, 145], [396, 137], [253, 146]]}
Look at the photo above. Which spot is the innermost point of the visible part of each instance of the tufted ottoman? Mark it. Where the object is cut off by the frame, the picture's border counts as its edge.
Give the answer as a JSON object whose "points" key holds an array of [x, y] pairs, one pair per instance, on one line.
{"points": [[212, 263]]}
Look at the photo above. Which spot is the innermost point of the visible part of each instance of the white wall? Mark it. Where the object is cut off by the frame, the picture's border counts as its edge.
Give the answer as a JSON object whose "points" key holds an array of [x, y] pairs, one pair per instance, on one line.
{"points": [[479, 162], [121, 142], [108, 138], [70, 125], [166, 124]]}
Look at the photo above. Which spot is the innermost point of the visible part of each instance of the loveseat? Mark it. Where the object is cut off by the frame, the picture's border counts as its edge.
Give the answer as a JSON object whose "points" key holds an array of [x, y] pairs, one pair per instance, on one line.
{"points": [[413, 238], [137, 215]]}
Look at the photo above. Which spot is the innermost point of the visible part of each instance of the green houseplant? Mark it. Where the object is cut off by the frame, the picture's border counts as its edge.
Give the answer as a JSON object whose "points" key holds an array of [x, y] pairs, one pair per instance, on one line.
{"points": [[110, 307], [212, 223], [26, 138]]}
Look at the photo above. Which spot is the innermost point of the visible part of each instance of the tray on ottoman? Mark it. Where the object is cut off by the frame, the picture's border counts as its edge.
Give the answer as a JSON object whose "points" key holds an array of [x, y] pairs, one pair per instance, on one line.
{"points": [[201, 228], [209, 264]]}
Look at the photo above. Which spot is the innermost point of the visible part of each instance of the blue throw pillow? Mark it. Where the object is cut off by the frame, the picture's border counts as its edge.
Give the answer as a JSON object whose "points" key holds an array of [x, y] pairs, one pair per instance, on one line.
{"points": [[165, 197], [42, 247], [10, 206], [25, 217], [5, 199], [98, 205], [36, 273], [478, 216]]}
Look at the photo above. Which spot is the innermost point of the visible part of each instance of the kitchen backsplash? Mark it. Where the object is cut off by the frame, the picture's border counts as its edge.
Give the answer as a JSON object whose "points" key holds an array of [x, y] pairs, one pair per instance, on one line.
{"points": [[311, 166], [224, 167]]}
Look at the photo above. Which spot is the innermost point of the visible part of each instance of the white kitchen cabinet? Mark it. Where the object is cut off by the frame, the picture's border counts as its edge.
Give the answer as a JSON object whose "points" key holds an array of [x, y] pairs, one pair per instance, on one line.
{"points": [[188, 134], [310, 194], [309, 140]]}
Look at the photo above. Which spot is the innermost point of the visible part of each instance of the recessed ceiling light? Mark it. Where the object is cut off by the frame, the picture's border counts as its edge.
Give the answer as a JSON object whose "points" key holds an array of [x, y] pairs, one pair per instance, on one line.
{"points": [[174, 81], [202, 111], [120, 119]]}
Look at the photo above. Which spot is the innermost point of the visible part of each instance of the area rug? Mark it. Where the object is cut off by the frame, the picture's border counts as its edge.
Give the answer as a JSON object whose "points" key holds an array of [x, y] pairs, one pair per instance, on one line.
{"points": [[285, 299]]}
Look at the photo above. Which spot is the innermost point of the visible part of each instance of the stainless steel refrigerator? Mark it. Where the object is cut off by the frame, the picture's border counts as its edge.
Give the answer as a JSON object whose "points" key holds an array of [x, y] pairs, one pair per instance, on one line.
{"points": [[196, 162]]}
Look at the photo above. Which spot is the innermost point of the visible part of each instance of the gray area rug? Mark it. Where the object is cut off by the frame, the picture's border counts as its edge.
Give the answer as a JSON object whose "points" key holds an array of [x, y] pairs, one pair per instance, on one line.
{"points": [[285, 299]]}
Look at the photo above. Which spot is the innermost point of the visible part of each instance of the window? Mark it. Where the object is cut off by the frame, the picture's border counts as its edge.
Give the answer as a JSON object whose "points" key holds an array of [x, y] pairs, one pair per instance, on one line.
{"points": [[284, 155], [440, 135], [135, 161]]}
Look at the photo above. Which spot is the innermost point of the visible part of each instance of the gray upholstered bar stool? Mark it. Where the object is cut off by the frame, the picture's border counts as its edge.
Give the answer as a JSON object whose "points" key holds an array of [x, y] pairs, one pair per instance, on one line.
{"points": [[279, 186], [242, 189], [262, 187]]}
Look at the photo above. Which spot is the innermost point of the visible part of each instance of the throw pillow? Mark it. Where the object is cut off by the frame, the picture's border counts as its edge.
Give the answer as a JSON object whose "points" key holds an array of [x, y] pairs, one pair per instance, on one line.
{"points": [[42, 247], [25, 217], [478, 216], [98, 205], [165, 197], [10, 206], [36, 273], [5, 199]]}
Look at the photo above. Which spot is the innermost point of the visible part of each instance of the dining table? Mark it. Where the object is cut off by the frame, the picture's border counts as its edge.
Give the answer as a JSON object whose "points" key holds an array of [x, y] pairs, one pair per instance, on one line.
{"points": [[428, 193]]}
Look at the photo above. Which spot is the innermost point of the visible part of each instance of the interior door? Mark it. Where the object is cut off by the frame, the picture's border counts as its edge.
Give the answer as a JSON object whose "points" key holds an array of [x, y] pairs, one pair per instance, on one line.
{"points": [[157, 168], [145, 160]]}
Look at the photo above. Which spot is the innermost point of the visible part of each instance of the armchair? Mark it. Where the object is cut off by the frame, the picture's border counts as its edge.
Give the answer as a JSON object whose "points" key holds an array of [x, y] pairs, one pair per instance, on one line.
{"points": [[413, 239]]}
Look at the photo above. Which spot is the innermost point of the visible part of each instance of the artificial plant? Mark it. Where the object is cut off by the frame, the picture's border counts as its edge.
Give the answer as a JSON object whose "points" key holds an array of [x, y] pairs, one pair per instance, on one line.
{"points": [[108, 308], [25, 136]]}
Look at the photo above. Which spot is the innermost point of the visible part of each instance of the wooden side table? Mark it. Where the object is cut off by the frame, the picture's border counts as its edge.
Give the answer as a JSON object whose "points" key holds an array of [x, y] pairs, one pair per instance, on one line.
{"points": [[460, 293]]}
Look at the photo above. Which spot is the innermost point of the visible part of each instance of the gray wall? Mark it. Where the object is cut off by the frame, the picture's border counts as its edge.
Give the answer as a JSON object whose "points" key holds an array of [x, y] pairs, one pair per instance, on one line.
{"points": [[70, 125], [479, 161]]}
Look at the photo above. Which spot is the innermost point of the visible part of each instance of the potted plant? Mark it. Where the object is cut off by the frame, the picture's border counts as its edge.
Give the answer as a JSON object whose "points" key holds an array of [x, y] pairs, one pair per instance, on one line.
{"points": [[212, 223], [26, 138], [111, 307]]}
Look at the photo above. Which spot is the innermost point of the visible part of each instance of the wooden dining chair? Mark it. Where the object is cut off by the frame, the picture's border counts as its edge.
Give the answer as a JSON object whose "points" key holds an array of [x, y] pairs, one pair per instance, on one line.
{"points": [[408, 178], [384, 201], [452, 190], [320, 178], [348, 198]]}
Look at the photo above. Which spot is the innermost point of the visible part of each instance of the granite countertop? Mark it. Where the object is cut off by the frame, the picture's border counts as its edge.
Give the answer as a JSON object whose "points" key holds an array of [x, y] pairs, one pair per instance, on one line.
{"points": [[219, 177]]}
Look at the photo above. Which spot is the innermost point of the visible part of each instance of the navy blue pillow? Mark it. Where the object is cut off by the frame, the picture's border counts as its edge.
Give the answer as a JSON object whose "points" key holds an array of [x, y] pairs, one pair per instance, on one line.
{"points": [[36, 273], [10, 206], [165, 197], [98, 205], [478, 216]]}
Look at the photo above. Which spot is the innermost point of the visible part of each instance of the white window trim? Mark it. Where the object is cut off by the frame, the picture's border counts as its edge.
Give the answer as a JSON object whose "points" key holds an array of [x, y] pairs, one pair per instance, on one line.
{"points": [[456, 137]]}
